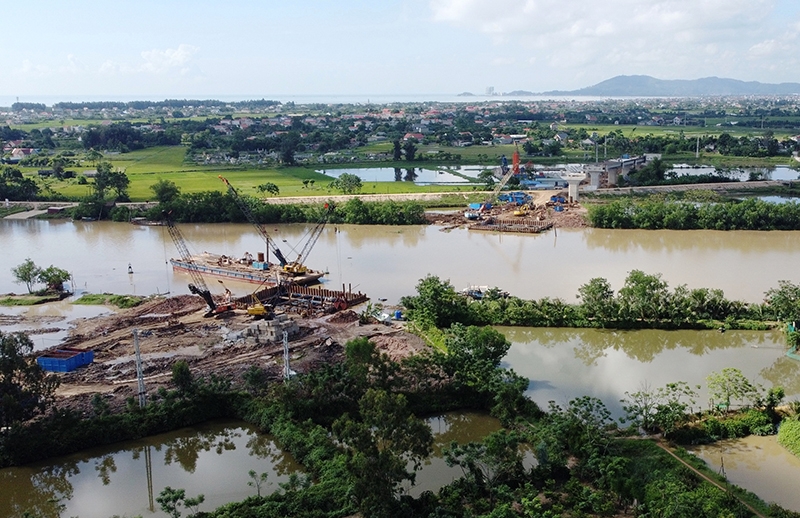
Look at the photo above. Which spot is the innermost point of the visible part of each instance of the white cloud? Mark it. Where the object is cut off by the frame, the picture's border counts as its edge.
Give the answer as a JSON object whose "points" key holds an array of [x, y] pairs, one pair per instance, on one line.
{"points": [[29, 68], [159, 61], [73, 66], [663, 38], [156, 62]]}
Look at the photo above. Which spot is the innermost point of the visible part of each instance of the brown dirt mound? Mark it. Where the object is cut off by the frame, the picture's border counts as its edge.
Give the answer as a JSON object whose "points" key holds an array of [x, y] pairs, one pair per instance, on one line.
{"points": [[344, 317]]}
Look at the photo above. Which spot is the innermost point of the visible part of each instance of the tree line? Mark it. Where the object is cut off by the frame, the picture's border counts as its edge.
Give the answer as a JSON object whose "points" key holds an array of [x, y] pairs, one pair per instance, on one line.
{"points": [[645, 301], [217, 207], [655, 213]]}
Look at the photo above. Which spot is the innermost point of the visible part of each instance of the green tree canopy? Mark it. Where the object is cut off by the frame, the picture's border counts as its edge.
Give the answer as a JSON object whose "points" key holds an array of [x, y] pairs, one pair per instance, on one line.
{"points": [[26, 273], [382, 442], [270, 188], [730, 385], [25, 389], [54, 278], [436, 303], [410, 150], [347, 183], [165, 190]]}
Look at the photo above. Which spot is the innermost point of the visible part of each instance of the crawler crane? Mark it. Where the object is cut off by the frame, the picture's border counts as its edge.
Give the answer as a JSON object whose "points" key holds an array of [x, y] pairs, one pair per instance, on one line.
{"points": [[198, 285]]}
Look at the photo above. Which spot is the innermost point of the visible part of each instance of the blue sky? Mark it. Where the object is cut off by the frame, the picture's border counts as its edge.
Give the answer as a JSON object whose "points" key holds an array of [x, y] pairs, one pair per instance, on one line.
{"points": [[177, 48]]}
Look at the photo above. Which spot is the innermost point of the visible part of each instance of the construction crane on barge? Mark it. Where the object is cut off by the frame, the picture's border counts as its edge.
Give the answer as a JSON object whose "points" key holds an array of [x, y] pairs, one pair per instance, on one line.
{"points": [[259, 227], [198, 285], [297, 267]]}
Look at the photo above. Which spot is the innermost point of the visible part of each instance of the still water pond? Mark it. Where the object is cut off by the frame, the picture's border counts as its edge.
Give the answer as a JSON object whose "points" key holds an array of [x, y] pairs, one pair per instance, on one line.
{"points": [[563, 364], [741, 174], [758, 464], [124, 479], [212, 459], [417, 175]]}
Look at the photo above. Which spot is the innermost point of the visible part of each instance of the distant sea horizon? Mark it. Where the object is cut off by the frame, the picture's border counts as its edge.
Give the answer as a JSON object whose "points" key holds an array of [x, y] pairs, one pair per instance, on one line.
{"points": [[355, 99]]}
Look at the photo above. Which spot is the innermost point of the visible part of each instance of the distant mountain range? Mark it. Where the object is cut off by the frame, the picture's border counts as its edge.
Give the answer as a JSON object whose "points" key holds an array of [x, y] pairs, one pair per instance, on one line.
{"points": [[646, 86]]}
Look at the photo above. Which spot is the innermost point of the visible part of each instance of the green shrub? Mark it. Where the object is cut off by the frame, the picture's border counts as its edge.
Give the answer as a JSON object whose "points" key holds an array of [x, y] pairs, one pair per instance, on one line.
{"points": [[714, 428], [755, 422], [789, 436]]}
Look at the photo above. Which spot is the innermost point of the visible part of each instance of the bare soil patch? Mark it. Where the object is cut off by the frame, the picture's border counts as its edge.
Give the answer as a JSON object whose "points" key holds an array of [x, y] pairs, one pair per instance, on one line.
{"points": [[173, 328], [572, 215]]}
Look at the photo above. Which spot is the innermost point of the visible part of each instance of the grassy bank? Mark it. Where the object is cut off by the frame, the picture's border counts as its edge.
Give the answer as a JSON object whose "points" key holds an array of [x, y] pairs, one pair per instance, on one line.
{"points": [[28, 300], [101, 299]]}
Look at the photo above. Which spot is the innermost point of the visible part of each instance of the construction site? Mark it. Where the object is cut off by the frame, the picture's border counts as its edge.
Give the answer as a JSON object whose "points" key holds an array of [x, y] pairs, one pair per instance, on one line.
{"points": [[283, 327]]}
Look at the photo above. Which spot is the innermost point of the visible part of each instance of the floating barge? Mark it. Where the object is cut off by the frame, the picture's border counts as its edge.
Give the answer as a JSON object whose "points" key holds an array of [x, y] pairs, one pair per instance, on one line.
{"points": [[66, 359], [517, 225], [244, 270]]}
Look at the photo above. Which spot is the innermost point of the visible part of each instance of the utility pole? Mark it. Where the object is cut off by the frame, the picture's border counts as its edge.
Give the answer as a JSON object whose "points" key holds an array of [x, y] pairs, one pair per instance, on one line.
{"points": [[139, 370], [697, 150], [287, 372]]}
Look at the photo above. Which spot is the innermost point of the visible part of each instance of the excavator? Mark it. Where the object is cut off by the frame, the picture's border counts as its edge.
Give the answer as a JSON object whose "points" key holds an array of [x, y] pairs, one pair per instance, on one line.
{"points": [[198, 285]]}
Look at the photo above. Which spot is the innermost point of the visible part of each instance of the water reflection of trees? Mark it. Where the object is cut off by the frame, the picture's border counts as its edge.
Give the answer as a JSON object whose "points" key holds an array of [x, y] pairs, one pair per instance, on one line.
{"points": [[461, 427], [411, 174], [398, 174], [263, 447], [665, 241], [359, 236], [186, 450], [641, 345], [784, 373], [41, 494], [105, 466]]}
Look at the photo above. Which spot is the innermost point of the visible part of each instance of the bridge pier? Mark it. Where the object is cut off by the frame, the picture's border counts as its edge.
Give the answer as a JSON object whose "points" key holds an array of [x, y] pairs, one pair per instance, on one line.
{"points": [[573, 180]]}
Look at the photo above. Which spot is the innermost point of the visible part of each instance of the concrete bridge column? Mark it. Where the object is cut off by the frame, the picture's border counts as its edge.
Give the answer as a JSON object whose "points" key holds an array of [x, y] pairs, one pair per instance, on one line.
{"points": [[573, 179], [594, 178], [612, 177]]}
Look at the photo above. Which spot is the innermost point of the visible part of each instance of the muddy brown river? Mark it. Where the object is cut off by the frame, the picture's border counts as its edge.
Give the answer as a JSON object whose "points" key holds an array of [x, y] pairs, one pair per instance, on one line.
{"points": [[387, 262]]}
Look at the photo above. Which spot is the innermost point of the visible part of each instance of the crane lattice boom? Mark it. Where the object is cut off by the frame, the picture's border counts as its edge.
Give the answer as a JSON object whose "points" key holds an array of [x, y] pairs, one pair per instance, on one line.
{"points": [[198, 285], [297, 265], [252, 219]]}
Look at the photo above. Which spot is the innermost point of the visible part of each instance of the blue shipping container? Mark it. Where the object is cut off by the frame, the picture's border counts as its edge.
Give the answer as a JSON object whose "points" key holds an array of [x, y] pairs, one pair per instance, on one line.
{"points": [[65, 360]]}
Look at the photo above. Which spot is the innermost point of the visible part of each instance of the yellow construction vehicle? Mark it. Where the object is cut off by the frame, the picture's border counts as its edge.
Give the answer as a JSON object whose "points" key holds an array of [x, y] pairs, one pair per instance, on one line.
{"points": [[257, 309]]}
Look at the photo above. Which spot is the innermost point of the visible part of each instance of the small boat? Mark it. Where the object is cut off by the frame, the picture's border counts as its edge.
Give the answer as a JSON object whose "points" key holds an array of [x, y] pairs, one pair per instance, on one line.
{"points": [[146, 222], [472, 215]]}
